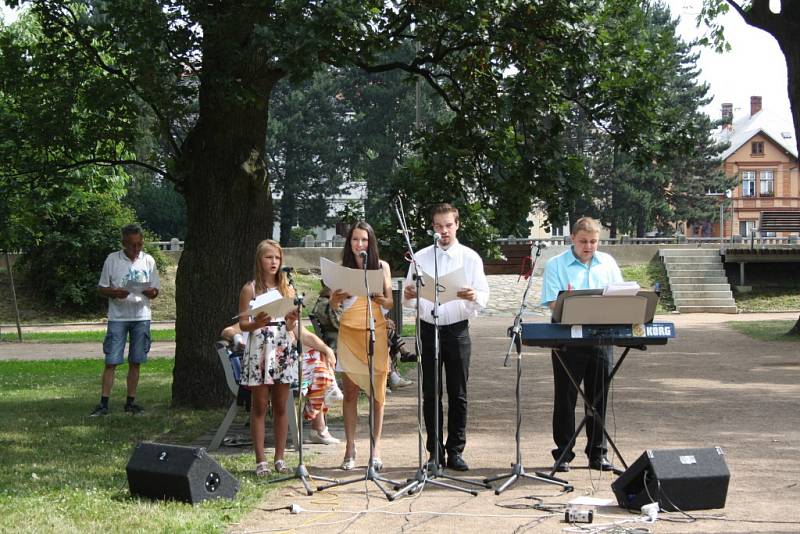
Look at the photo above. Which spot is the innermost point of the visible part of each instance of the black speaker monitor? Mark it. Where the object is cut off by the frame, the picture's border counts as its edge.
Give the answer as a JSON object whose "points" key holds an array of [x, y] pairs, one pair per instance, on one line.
{"points": [[187, 474], [678, 479]]}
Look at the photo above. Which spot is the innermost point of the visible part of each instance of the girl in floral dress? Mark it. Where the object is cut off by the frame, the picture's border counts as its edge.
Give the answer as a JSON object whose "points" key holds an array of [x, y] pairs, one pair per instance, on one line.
{"points": [[269, 365]]}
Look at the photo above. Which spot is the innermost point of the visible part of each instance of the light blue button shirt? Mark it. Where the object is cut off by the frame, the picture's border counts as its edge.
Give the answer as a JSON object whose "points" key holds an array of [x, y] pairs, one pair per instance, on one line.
{"points": [[566, 270]]}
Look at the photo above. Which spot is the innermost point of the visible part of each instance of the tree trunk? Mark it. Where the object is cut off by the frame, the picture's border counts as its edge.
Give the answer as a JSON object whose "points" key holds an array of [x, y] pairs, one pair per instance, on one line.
{"points": [[223, 177], [795, 331]]}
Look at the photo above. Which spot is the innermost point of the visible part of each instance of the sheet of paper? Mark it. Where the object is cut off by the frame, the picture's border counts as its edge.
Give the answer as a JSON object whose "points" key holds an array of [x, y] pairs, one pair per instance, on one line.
{"points": [[136, 287], [449, 285], [337, 276], [622, 288], [591, 501], [272, 304]]}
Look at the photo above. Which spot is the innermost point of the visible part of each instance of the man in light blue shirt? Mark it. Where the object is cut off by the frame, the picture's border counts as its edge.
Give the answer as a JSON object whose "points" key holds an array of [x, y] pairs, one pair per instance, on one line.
{"points": [[582, 266]]}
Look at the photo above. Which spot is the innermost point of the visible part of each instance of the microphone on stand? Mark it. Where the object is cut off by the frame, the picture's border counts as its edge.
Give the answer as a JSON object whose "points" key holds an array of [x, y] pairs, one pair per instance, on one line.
{"points": [[437, 236], [363, 255], [288, 271]]}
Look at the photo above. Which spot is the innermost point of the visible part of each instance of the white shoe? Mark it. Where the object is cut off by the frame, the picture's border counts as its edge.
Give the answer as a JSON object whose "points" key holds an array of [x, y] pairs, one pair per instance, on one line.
{"points": [[334, 394], [323, 437], [397, 381]]}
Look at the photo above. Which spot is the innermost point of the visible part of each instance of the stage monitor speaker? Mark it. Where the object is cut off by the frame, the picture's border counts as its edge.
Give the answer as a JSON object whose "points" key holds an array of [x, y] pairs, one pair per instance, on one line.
{"points": [[187, 474], [678, 479]]}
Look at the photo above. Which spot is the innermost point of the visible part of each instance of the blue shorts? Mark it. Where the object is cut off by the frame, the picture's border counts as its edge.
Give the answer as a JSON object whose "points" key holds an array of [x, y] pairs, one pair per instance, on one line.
{"points": [[117, 334]]}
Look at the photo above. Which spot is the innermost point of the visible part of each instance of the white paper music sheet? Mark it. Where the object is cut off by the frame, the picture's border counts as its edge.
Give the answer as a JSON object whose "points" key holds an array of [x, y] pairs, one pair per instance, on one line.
{"points": [[272, 304], [622, 288], [449, 285], [349, 280]]}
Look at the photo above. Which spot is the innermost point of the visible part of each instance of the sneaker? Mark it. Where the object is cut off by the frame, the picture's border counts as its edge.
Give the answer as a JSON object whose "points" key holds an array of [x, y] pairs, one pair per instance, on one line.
{"points": [[334, 394], [323, 437], [134, 409], [99, 411], [397, 381]]}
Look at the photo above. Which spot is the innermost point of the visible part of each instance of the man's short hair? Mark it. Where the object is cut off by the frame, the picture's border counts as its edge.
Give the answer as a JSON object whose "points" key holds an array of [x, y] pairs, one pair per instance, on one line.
{"points": [[442, 208], [131, 229], [586, 224]]}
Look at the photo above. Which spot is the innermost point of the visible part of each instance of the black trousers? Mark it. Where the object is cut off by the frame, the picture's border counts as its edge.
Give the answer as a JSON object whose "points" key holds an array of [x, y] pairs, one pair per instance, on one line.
{"points": [[590, 365], [455, 348]]}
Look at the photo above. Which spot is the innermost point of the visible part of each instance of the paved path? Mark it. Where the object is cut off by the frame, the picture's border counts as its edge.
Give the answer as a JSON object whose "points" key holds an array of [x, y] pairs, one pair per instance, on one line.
{"points": [[709, 387]]}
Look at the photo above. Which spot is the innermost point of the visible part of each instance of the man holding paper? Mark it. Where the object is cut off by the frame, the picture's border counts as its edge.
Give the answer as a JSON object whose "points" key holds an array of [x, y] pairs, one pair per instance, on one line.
{"points": [[465, 292], [130, 281], [582, 266]]}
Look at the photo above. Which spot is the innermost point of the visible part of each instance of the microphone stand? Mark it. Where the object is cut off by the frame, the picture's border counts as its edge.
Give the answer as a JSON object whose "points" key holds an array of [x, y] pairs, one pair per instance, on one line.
{"points": [[426, 473], [371, 473], [515, 333], [300, 471]]}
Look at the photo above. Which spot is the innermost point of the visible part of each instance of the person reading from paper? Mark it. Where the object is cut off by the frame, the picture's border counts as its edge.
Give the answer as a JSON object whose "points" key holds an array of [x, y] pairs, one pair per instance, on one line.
{"points": [[352, 342], [269, 364], [319, 383], [582, 266], [454, 341]]}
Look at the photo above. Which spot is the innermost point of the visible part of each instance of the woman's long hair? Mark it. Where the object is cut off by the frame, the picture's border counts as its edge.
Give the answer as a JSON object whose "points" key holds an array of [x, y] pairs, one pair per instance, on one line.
{"points": [[373, 257], [258, 270]]}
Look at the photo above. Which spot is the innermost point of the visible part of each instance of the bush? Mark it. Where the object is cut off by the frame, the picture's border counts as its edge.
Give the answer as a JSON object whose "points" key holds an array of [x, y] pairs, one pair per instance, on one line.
{"points": [[64, 265]]}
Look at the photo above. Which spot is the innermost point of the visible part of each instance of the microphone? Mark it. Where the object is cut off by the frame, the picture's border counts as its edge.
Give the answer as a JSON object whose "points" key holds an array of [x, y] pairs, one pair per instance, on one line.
{"points": [[437, 236], [363, 254], [542, 244], [287, 269]]}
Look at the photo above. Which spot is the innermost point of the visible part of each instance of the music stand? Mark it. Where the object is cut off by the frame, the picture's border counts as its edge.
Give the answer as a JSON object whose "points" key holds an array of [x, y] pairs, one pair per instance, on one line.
{"points": [[300, 471], [590, 306], [515, 333], [371, 474]]}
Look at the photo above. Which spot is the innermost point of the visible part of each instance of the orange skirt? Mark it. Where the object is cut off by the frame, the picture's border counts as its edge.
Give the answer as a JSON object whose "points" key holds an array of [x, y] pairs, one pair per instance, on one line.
{"points": [[352, 347]]}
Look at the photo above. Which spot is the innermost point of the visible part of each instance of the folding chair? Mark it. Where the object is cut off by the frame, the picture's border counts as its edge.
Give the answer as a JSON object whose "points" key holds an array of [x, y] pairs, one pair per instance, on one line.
{"points": [[224, 357]]}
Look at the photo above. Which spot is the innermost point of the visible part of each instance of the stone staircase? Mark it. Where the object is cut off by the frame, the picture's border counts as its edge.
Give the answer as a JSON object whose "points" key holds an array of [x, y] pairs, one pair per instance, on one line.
{"points": [[697, 280]]}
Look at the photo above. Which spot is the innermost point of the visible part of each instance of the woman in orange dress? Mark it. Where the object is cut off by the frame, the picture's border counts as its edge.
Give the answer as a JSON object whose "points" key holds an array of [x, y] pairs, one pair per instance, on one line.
{"points": [[353, 340]]}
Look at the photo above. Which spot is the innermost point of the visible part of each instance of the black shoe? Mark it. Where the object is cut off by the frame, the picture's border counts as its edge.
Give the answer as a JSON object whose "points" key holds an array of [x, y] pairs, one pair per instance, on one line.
{"points": [[600, 463], [456, 462], [407, 357], [563, 467], [134, 409], [99, 411], [430, 466]]}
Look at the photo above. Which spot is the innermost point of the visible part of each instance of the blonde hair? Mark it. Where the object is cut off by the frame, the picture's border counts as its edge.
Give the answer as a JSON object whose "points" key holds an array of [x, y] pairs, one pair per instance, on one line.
{"points": [[259, 274], [586, 224]]}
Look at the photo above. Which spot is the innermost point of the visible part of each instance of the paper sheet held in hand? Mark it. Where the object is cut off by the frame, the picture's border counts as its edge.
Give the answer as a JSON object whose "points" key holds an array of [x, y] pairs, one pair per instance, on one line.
{"points": [[349, 280], [272, 304], [449, 285]]}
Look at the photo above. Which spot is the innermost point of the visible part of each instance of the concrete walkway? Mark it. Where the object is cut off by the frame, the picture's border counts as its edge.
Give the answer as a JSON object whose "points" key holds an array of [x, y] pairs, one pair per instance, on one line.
{"points": [[709, 387]]}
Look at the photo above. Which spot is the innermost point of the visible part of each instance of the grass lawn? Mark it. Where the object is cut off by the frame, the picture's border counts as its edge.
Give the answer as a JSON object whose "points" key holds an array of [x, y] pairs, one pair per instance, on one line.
{"points": [[87, 336], [766, 330], [61, 471], [647, 275]]}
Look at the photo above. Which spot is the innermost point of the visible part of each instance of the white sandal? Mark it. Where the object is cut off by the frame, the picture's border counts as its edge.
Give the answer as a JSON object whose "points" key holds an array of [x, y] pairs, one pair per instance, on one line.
{"points": [[281, 466], [348, 464], [262, 469]]}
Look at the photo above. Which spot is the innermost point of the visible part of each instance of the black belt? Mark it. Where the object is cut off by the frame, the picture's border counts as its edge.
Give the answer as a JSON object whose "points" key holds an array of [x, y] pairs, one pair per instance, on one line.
{"points": [[453, 326]]}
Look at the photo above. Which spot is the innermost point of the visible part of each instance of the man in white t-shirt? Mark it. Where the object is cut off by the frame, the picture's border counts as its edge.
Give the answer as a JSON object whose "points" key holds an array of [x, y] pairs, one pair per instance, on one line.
{"points": [[129, 280]]}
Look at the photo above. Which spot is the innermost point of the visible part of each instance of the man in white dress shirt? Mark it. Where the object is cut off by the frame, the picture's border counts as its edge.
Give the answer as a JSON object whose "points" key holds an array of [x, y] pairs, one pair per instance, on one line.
{"points": [[454, 342]]}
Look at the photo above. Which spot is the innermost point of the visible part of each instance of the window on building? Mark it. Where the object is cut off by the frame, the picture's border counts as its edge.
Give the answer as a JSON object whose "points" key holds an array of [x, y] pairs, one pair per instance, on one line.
{"points": [[748, 183], [757, 148], [746, 228], [766, 187]]}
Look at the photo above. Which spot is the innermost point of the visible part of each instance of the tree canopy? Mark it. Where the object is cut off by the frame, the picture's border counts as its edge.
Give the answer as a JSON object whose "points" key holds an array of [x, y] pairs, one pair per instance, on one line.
{"points": [[200, 78]]}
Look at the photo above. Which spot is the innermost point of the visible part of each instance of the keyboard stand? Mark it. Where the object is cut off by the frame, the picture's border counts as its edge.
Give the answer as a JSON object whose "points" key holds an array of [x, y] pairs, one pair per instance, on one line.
{"points": [[590, 410]]}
